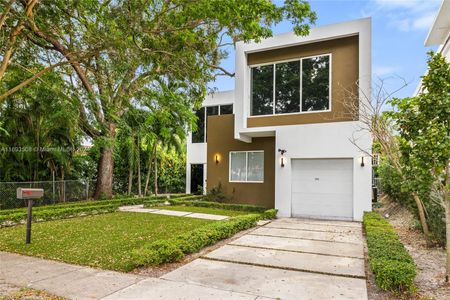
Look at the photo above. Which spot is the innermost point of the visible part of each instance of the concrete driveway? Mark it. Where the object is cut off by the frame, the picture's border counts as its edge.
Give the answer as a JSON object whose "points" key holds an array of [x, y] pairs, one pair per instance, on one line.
{"points": [[284, 259]]}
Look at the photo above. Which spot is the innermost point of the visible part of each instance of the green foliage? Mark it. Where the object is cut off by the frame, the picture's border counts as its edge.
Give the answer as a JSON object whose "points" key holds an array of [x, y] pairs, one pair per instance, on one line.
{"points": [[391, 184], [392, 265], [193, 241], [423, 123], [40, 129]]}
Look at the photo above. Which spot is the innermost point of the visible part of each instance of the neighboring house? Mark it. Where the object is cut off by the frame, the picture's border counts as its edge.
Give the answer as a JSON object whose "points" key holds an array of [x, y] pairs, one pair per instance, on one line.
{"points": [[283, 137], [440, 31], [439, 34]]}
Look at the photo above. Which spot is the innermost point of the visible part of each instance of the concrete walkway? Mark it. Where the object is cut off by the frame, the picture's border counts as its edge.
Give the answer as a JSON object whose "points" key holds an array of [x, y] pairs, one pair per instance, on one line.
{"points": [[140, 208], [284, 259]]}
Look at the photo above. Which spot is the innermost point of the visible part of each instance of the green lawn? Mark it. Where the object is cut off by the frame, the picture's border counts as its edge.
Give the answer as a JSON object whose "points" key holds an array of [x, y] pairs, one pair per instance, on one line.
{"points": [[204, 210], [103, 241]]}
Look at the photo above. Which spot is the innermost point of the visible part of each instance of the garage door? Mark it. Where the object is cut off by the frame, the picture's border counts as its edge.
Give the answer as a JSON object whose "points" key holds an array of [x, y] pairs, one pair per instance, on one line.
{"points": [[322, 188]]}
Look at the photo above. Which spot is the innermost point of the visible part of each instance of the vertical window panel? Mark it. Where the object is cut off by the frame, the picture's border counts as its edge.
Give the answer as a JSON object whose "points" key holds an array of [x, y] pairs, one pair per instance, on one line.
{"points": [[262, 90], [255, 166], [238, 166], [287, 87], [316, 83], [198, 136], [210, 111]]}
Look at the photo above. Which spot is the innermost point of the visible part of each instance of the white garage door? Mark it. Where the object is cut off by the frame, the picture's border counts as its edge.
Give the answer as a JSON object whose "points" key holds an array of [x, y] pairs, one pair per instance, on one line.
{"points": [[322, 188]]}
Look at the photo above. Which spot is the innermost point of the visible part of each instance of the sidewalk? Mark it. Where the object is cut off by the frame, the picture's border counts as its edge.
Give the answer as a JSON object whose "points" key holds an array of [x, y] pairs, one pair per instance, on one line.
{"points": [[140, 208], [78, 282]]}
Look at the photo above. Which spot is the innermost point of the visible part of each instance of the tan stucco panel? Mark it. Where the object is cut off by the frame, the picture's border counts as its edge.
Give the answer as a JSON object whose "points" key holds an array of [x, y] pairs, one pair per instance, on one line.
{"points": [[220, 142], [343, 83]]}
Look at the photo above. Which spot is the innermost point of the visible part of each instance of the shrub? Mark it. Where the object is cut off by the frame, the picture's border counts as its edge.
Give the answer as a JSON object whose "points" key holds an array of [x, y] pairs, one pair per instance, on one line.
{"points": [[174, 249], [390, 262], [56, 213], [216, 193], [391, 184]]}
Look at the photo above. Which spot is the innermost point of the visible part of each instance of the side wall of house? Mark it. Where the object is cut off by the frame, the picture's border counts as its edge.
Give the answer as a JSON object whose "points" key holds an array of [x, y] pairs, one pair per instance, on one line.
{"points": [[220, 142]]}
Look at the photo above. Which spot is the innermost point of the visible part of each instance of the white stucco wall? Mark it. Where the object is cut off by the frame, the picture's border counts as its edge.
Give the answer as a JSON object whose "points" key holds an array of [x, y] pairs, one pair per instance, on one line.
{"points": [[328, 140]]}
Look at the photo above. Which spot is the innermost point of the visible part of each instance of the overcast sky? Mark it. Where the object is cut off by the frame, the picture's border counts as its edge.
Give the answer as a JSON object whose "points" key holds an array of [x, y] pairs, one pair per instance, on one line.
{"points": [[399, 29]]}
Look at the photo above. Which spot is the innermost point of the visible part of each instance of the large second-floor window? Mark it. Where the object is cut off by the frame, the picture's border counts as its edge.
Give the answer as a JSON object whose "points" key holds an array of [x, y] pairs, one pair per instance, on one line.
{"points": [[291, 87], [199, 136]]}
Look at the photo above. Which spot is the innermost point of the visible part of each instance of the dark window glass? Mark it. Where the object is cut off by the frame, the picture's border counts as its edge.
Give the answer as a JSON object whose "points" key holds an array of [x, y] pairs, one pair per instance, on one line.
{"points": [[210, 111], [262, 90], [226, 109], [198, 136], [197, 179], [316, 83], [287, 87]]}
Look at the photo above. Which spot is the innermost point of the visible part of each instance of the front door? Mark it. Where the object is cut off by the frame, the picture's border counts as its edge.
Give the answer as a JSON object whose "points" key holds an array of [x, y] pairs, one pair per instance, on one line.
{"points": [[197, 179]]}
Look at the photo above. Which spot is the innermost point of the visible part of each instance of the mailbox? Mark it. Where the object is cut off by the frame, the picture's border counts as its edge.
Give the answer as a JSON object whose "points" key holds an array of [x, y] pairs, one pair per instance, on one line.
{"points": [[29, 194], [25, 193]]}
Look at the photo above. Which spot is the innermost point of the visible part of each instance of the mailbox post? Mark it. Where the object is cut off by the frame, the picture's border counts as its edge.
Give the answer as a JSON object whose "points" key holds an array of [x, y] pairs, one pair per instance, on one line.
{"points": [[29, 194]]}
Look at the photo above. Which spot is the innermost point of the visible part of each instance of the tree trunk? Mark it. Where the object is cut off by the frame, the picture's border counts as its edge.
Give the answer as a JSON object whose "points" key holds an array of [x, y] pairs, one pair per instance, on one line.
{"points": [[103, 187], [130, 178], [149, 171], [422, 216], [156, 177], [139, 166], [147, 178]]}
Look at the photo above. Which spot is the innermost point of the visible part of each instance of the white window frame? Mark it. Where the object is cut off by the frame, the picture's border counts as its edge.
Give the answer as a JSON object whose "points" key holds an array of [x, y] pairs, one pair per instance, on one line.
{"points": [[246, 166], [300, 60]]}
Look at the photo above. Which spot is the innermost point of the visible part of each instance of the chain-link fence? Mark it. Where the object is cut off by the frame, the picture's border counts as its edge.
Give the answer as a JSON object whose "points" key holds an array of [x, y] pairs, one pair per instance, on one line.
{"points": [[54, 192]]}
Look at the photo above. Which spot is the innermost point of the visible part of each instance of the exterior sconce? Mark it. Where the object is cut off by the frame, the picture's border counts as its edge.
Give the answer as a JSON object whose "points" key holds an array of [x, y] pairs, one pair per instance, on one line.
{"points": [[217, 159], [362, 161], [282, 152]]}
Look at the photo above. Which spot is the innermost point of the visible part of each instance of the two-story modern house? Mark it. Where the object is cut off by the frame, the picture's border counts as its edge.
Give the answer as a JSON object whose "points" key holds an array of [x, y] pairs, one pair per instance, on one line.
{"points": [[289, 136]]}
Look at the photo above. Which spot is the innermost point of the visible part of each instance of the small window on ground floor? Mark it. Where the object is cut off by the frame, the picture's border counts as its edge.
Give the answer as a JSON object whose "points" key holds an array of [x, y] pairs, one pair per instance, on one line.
{"points": [[246, 166]]}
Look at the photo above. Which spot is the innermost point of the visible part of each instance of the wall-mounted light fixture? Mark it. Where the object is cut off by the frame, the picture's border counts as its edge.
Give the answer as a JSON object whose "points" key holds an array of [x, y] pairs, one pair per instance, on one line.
{"points": [[282, 152], [362, 161], [217, 159]]}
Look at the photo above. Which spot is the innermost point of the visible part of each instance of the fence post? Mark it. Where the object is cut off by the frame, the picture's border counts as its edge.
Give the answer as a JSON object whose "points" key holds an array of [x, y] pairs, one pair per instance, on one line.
{"points": [[64, 190], [87, 189]]}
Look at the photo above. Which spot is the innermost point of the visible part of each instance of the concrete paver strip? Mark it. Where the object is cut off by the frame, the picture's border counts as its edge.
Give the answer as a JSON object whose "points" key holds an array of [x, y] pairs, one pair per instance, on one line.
{"points": [[344, 266], [207, 216], [312, 235], [316, 227], [309, 246], [269, 282], [165, 289], [140, 209], [319, 222]]}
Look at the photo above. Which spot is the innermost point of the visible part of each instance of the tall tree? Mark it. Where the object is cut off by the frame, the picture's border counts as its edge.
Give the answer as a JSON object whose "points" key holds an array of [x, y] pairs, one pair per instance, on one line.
{"points": [[424, 126], [117, 48]]}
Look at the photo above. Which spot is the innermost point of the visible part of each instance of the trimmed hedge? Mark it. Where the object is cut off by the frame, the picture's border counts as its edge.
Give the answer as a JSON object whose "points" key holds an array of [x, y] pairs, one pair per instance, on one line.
{"points": [[57, 213], [210, 204], [390, 262], [175, 249]]}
